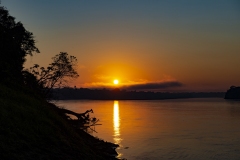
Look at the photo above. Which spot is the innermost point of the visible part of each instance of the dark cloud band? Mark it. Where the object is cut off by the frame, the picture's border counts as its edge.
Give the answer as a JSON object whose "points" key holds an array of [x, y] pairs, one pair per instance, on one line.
{"points": [[150, 86]]}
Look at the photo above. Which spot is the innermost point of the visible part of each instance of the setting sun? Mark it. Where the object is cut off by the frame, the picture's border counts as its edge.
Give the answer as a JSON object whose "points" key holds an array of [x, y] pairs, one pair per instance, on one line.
{"points": [[115, 81]]}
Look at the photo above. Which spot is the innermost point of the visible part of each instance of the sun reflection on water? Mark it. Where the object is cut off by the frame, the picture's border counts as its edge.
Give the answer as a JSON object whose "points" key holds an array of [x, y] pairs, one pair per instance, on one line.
{"points": [[116, 123]]}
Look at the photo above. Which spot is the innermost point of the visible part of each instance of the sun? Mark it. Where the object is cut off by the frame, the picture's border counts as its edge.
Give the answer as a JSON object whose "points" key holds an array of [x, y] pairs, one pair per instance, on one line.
{"points": [[115, 81]]}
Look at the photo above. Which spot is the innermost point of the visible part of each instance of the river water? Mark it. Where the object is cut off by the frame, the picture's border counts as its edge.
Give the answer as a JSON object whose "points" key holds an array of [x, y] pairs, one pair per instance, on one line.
{"points": [[184, 129]]}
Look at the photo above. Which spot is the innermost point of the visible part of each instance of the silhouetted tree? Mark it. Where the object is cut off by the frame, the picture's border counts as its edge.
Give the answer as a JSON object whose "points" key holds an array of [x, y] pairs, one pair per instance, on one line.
{"points": [[15, 43], [57, 74], [233, 93], [30, 80]]}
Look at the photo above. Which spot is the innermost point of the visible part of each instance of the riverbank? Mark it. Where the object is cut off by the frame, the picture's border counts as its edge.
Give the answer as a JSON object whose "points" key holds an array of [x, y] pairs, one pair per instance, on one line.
{"points": [[31, 129]]}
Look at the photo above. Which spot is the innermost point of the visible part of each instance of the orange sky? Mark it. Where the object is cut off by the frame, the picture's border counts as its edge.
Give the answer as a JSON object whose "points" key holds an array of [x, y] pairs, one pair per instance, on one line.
{"points": [[195, 43]]}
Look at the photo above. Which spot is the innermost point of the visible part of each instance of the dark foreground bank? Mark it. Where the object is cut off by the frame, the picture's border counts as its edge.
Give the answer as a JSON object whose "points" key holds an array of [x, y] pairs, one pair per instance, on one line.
{"points": [[30, 128]]}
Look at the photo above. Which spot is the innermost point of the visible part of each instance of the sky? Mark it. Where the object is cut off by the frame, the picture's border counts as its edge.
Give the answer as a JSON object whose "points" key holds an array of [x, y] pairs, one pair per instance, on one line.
{"points": [[155, 45]]}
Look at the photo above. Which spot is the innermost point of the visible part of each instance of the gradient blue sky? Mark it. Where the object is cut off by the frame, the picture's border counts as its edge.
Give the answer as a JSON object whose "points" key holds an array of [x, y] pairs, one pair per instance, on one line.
{"points": [[193, 42]]}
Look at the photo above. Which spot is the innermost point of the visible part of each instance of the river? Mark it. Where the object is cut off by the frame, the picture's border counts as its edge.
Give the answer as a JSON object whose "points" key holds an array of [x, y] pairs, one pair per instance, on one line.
{"points": [[184, 129]]}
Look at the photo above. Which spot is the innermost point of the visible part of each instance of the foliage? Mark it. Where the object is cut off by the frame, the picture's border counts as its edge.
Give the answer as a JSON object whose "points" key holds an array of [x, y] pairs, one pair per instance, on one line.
{"points": [[57, 74], [233, 93], [31, 81], [15, 43]]}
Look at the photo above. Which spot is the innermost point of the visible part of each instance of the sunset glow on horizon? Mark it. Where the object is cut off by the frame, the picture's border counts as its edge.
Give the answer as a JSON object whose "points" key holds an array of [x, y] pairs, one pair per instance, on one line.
{"points": [[115, 82], [177, 46]]}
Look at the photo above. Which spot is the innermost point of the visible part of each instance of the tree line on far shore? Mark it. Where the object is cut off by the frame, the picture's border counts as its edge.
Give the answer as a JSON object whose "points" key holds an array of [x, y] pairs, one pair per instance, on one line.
{"points": [[67, 93]]}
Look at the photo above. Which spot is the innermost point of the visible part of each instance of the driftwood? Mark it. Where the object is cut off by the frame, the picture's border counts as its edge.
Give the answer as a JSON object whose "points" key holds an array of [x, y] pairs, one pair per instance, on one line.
{"points": [[80, 116], [83, 120], [82, 124]]}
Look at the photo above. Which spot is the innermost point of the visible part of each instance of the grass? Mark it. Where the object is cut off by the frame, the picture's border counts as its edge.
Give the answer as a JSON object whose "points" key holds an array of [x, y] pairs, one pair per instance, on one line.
{"points": [[30, 129]]}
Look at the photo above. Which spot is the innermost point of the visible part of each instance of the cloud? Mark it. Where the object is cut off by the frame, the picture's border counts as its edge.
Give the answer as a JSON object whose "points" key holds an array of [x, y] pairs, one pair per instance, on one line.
{"points": [[154, 85], [96, 85]]}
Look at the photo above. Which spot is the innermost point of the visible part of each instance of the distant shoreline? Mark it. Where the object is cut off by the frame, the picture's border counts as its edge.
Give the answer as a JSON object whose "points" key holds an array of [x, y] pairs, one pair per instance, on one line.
{"points": [[117, 94]]}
